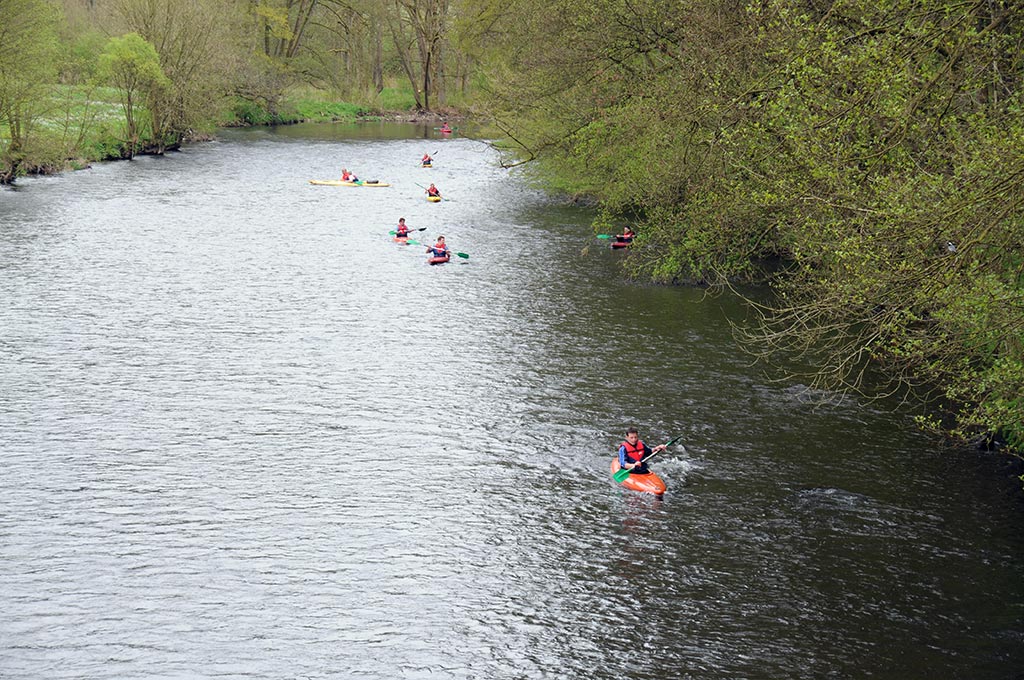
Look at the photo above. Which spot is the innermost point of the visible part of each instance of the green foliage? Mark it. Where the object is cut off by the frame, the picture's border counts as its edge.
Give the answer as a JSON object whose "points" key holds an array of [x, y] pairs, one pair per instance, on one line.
{"points": [[395, 99], [849, 145], [317, 110], [131, 64], [28, 47]]}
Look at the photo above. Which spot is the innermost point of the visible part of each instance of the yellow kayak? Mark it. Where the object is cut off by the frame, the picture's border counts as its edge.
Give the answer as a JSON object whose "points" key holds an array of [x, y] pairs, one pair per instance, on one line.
{"points": [[340, 183]]}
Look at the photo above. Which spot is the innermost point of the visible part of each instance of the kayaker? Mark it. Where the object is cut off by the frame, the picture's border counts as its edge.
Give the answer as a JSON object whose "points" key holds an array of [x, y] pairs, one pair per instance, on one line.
{"points": [[633, 451], [444, 128], [427, 160], [345, 174], [402, 231], [433, 191], [439, 249], [626, 236]]}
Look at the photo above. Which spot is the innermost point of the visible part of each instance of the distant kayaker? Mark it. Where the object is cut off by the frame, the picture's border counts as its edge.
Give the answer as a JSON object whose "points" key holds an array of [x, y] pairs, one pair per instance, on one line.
{"points": [[445, 129], [433, 191], [626, 236], [439, 249], [633, 451], [345, 175], [402, 231], [427, 160]]}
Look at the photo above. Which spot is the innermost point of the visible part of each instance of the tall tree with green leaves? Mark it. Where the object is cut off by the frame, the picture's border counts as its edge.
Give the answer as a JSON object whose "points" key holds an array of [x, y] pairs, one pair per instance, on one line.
{"points": [[28, 48], [199, 46], [131, 64], [871, 148]]}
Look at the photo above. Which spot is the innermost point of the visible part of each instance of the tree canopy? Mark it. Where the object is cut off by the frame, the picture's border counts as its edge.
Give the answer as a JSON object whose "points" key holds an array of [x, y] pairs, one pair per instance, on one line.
{"points": [[871, 150]]}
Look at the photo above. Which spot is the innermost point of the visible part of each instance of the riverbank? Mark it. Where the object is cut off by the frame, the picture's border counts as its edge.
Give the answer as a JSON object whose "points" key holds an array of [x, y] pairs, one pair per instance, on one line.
{"points": [[97, 134]]}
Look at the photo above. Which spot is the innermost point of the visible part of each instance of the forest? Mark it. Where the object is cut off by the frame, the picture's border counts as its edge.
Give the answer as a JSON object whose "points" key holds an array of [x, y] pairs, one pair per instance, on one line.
{"points": [[865, 159]]}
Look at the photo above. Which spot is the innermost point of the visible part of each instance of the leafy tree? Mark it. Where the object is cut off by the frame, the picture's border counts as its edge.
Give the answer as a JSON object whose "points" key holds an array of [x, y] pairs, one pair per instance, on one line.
{"points": [[28, 44], [850, 141], [198, 47], [131, 64]]}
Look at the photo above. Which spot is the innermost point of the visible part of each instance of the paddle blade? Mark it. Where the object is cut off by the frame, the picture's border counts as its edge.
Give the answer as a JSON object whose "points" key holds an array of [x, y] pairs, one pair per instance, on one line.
{"points": [[606, 236], [621, 475], [413, 243], [464, 256]]}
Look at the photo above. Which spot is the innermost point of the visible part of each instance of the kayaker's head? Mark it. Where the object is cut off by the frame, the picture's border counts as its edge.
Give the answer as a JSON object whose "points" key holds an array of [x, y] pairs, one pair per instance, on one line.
{"points": [[440, 239], [632, 435], [401, 220]]}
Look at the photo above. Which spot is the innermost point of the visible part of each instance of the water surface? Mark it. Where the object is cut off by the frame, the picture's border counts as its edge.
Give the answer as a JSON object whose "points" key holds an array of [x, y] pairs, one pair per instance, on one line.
{"points": [[244, 434]]}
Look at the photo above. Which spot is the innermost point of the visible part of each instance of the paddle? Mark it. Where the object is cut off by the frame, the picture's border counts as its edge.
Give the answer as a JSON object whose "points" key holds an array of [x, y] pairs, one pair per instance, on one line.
{"points": [[393, 232], [623, 474], [464, 256], [606, 236], [428, 195]]}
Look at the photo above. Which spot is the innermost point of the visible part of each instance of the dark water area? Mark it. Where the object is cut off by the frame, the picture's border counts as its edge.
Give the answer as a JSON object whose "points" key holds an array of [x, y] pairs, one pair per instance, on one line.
{"points": [[245, 434]]}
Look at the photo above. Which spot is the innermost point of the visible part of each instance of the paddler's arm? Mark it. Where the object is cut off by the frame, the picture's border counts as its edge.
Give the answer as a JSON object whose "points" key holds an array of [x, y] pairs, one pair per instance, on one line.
{"points": [[623, 463]]}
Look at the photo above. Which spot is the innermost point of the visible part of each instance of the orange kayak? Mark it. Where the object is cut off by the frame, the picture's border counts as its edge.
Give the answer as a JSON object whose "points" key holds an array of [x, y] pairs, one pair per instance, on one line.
{"points": [[649, 483]]}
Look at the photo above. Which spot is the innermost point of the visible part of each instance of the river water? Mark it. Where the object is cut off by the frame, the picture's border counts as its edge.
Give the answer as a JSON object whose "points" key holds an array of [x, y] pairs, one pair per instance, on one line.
{"points": [[243, 434]]}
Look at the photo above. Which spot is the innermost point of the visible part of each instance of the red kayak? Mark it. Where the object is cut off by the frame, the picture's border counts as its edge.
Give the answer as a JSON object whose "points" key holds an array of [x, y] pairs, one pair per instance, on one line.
{"points": [[402, 239], [648, 483], [621, 242], [438, 260]]}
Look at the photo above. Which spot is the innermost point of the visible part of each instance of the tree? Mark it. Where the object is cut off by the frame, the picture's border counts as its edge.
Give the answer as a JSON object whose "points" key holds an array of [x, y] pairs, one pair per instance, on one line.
{"points": [[131, 64], [419, 28], [28, 44], [847, 142], [198, 47]]}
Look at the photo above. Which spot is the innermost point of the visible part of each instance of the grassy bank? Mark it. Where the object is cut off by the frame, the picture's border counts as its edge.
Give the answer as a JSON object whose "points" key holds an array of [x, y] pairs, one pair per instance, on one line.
{"points": [[78, 125]]}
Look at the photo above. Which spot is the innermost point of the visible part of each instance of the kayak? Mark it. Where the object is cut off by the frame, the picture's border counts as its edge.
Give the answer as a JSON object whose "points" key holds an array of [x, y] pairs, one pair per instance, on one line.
{"points": [[438, 260], [649, 483], [622, 244], [401, 239], [427, 165], [434, 199], [340, 183]]}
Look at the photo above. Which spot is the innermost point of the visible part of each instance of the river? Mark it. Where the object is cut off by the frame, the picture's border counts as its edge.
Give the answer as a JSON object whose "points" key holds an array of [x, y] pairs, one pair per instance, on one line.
{"points": [[243, 434]]}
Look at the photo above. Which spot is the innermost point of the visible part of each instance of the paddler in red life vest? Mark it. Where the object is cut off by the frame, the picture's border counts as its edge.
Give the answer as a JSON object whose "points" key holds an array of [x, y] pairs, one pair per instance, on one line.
{"points": [[445, 129], [439, 249], [433, 191], [402, 230], [345, 174], [427, 160], [626, 236], [633, 451]]}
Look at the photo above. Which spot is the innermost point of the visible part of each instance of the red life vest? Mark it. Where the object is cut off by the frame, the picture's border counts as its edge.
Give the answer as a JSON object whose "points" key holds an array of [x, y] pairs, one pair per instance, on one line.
{"points": [[402, 230], [634, 453]]}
